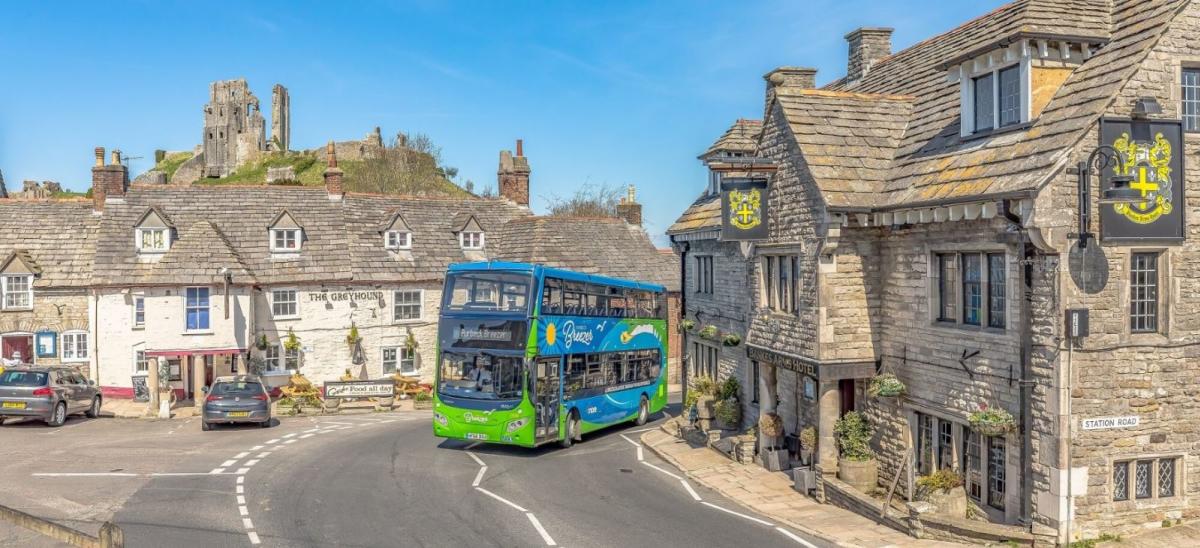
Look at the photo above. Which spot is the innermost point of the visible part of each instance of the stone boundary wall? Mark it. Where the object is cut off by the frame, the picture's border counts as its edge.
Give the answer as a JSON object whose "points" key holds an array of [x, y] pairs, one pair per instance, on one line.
{"points": [[111, 536]]}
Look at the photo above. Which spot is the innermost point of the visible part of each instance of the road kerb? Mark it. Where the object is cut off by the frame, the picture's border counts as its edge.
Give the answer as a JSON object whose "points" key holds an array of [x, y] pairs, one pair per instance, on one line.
{"points": [[732, 496]]}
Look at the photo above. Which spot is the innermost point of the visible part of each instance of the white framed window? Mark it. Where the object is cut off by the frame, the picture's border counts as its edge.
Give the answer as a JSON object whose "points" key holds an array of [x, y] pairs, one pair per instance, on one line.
{"points": [[75, 346], [407, 305], [470, 240], [291, 359], [398, 239], [399, 359], [271, 358], [196, 308], [140, 363], [18, 291], [995, 98], [285, 240], [284, 303], [139, 311], [153, 240]]}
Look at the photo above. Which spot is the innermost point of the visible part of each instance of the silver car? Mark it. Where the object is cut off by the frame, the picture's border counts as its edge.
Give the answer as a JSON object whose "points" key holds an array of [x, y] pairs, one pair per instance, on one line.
{"points": [[232, 400], [47, 393]]}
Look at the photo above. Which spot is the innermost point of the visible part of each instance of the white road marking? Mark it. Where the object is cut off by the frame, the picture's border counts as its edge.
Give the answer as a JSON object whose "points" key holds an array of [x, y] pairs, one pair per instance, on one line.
{"points": [[243, 511], [241, 455], [472, 455], [247, 523], [690, 491], [387, 421], [626, 438], [292, 435], [242, 501], [230, 462], [541, 530], [474, 445], [241, 480], [479, 476], [795, 538], [209, 473], [500, 498], [84, 474], [240, 489], [263, 454], [276, 440], [311, 430], [640, 453], [740, 515], [291, 441], [217, 471], [662, 470], [256, 448], [640, 430], [252, 462], [307, 436], [242, 471], [253, 537]]}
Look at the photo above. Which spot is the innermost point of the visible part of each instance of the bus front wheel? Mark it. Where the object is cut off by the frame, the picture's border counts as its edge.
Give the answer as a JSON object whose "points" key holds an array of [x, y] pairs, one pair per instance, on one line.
{"points": [[643, 412], [572, 433]]}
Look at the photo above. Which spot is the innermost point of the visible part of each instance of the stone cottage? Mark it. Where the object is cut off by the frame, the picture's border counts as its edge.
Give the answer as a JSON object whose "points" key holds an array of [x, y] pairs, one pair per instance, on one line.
{"points": [[926, 221]]}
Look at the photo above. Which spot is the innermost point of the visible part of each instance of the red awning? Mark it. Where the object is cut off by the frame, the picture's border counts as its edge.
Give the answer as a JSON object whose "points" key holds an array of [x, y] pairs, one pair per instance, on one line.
{"points": [[200, 352]]}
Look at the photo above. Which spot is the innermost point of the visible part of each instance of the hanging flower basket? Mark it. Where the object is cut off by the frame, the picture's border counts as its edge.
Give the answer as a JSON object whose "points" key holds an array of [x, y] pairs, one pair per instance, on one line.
{"points": [[353, 338], [688, 325], [291, 343], [262, 343], [732, 339], [885, 386], [710, 332], [992, 421]]}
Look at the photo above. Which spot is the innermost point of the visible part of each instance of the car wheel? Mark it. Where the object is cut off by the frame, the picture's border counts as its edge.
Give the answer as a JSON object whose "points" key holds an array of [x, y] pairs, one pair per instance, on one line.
{"points": [[205, 427], [643, 412], [572, 432], [58, 416], [94, 410], [266, 424]]}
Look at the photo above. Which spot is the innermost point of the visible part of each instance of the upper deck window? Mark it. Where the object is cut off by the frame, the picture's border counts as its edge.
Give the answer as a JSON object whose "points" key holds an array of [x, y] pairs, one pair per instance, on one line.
{"points": [[487, 292]]}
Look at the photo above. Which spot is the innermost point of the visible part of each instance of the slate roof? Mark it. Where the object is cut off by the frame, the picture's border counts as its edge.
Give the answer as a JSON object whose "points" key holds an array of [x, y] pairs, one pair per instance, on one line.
{"points": [[742, 137], [609, 247], [58, 236], [704, 213], [227, 227], [933, 164]]}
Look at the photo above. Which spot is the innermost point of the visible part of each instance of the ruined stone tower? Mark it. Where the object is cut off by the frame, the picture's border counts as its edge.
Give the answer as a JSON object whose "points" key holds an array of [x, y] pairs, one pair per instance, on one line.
{"points": [[234, 129], [281, 119], [3, 189]]}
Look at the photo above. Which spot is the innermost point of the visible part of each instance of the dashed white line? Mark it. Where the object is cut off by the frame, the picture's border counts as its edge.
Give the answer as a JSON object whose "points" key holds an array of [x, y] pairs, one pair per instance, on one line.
{"points": [[479, 476], [500, 498], [794, 537], [242, 471], [241, 455], [252, 462], [242, 501], [241, 480], [276, 440], [290, 441], [243, 511], [247, 523], [690, 491], [541, 530], [84, 474], [738, 514], [240, 489], [292, 435], [640, 453], [306, 436], [229, 463], [311, 430], [253, 537], [667, 472], [256, 448], [263, 455], [626, 438]]}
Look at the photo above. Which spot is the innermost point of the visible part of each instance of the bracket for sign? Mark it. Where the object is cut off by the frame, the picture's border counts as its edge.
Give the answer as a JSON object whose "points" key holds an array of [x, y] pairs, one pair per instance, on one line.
{"points": [[963, 362]]}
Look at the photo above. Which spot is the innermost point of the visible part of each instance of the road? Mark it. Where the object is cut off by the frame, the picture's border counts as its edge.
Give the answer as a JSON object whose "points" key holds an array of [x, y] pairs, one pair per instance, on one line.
{"points": [[384, 480]]}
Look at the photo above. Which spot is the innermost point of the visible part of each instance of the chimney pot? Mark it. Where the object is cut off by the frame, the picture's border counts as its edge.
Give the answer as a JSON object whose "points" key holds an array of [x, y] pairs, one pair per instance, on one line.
{"points": [[867, 46], [99, 156], [628, 208], [331, 155], [116, 156]]}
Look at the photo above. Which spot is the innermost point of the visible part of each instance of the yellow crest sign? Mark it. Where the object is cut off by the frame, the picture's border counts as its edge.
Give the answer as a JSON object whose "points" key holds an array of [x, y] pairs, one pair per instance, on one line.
{"points": [[1152, 154], [744, 209], [1150, 165]]}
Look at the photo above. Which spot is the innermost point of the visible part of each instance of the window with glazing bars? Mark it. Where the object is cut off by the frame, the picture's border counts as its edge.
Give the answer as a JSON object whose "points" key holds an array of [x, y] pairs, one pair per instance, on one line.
{"points": [[972, 452], [945, 451], [1010, 96], [1191, 100], [704, 274], [924, 444], [947, 280], [985, 103], [972, 289], [997, 299], [1146, 478], [996, 475], [1143, 293]]}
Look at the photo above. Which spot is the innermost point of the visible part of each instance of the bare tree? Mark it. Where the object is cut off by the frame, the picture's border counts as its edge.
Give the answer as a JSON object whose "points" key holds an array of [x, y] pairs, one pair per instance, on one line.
{"points": [[588, 201], [409, 164]]}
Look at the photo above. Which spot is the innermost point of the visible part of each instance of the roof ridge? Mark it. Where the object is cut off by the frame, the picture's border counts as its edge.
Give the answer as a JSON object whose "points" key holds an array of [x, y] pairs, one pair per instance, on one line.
{"points": [[846, 94]]}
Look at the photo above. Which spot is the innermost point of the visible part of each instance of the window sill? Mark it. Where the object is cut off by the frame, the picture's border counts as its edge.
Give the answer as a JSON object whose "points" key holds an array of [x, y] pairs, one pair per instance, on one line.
{"points": [[198, 332], [18, 309], [994, 132], [76, 360], [406, 321], [285, 318], [138, 328], [990, 331]]}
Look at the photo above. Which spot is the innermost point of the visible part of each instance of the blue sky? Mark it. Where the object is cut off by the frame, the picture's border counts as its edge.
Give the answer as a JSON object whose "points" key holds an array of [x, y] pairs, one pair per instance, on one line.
{"points": [[602, 92]]}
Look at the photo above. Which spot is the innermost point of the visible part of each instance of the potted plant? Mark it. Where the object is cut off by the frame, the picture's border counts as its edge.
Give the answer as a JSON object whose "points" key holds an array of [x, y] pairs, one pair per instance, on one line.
{"points": [[944, 490], [808, 444], [422, 400], [885, 385], [352, 338], [687, 324], [710, 332], [731, 339], [410, 342], [857, 465], [991, 421], [729, 413], [262, 343], [774, 452]]}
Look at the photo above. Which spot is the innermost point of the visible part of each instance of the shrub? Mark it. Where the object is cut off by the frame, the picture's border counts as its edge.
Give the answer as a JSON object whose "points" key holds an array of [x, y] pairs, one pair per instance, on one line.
{"points": [[853, 434], [688, 325], [808, 439], [771, 424], [731, 388], [729, 411], [705, 385], [693, 396], [942, 480], [422, 396]]}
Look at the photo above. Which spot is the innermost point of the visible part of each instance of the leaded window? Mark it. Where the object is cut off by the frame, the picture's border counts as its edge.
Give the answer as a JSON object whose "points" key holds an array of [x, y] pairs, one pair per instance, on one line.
{"points": [[924, 444], [996, 473], [1010, 96], [972, 450], [972, 289], [1166, 477], [985, 103], [1145, 478], [947, 282], [1191, 100], [997, 298], [1143, 297], [1121, 481], [1142, 479], [945, 444]]}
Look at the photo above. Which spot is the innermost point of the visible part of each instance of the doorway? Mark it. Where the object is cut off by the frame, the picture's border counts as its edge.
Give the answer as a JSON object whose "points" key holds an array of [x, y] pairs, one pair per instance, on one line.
{"points": [[18, 347], [547, 387], [846, 387]]}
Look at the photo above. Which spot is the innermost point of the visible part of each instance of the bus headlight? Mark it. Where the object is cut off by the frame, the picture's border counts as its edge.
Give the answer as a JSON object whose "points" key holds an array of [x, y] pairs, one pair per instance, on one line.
{"points": [[517, 425], [440, 419]]}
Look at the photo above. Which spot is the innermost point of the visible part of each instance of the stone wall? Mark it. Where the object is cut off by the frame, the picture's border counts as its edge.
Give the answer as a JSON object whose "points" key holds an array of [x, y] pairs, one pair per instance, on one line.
{"points": [[56, 310]]}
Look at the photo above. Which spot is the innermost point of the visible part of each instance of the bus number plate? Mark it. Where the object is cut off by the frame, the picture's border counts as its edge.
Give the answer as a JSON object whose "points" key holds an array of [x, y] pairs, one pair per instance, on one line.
{"points": [[474, 436]]}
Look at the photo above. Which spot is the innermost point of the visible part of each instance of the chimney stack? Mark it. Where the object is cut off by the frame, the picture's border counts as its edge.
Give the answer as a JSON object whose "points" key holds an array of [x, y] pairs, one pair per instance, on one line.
{"points": [[867, 46], [789, 77], [108, 181], [629, 209], [513, 176], [333, 175]]}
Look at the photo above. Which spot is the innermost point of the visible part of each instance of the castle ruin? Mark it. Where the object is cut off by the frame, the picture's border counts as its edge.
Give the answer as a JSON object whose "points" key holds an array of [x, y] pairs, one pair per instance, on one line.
{"points": [[234, 128]]}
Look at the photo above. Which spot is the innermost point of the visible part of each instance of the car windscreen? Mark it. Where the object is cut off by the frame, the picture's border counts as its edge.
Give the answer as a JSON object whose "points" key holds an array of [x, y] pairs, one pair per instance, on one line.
{"points": [[237, 389], [488, 291], [22, 378]]}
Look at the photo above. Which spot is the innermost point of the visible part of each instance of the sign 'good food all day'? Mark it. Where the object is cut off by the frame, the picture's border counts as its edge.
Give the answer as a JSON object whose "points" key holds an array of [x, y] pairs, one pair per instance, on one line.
{"points": [[360, 389]]}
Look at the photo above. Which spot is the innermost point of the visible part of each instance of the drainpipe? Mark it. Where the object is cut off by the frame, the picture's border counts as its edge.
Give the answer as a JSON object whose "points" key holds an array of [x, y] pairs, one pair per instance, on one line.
{"points": [[1025, 383], [683, 355]]}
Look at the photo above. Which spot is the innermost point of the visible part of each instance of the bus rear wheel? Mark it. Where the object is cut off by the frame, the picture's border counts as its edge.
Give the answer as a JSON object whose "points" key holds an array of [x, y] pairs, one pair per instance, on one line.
{"points": [[572, 432], [643, 412]]}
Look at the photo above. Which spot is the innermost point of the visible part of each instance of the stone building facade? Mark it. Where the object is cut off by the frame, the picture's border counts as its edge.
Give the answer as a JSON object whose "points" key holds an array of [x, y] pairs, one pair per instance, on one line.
{"points": [[925, 222]]}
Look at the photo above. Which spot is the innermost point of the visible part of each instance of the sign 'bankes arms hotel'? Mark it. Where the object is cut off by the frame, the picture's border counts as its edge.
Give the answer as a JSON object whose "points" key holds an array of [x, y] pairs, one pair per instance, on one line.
{"points": [[934, 215]]}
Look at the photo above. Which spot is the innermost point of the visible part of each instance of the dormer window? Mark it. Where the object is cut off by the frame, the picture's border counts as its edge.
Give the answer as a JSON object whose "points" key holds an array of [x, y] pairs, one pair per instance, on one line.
{"points": [[398, 239], [153, 240], [285, 240], [997, 98], [470, 240], [18, 291]]}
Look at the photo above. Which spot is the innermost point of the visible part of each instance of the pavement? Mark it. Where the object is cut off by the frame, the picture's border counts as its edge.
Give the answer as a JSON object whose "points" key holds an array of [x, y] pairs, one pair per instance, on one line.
{"points": [[1186, 534], [771, 494], [379, 479]]}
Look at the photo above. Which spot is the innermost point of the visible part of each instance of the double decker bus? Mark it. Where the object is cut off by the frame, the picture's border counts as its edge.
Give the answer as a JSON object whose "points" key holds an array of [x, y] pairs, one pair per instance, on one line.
{"points": [[529, 355]]}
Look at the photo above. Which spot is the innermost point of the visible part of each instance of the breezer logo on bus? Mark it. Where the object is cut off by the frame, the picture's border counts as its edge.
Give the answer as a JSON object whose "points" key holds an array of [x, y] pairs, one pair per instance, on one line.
{"points": [[571, 335]]}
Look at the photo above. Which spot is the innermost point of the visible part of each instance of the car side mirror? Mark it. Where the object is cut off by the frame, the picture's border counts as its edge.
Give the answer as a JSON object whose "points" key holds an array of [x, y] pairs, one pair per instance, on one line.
{"points": [[204, 389], [91, 382]]}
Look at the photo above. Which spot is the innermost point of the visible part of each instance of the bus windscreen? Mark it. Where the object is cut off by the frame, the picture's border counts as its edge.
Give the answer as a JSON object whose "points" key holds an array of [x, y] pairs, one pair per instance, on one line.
{"points": [[488, 292]]}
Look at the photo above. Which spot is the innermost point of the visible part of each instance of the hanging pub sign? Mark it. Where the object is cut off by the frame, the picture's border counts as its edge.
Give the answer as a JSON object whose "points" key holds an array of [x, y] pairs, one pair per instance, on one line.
{"points": [[744, 212], [1153, 153]]}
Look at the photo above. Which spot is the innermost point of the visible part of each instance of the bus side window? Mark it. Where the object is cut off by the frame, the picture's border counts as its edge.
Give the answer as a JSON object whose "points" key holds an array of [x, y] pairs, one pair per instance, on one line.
{"points": [[595, 371], [616, 302], [614, 368], [552, 297], [572, 298], [575, 375]]}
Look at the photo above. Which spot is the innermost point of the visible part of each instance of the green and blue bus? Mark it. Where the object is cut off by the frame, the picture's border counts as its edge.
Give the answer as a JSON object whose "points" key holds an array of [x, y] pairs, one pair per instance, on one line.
{"points": [[529, 355]]}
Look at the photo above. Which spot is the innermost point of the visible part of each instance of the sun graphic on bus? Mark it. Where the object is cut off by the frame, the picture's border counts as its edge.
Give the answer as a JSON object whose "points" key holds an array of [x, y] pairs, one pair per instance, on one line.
{"points": [[551, 332]]}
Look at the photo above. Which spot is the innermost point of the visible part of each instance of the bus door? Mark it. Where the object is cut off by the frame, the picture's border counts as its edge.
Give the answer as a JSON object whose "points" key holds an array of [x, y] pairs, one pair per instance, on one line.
{"points": [[546, 402]]}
